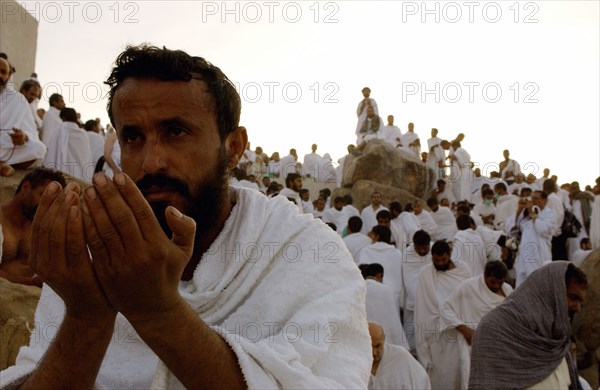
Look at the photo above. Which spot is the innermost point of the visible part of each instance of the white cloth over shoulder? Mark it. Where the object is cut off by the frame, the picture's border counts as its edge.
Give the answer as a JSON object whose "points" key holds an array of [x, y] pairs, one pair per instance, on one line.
{"points": [[69, 152], [246, 287], [15, 113], [468, 246], [436, 345], [399, 370], [467, 305], [382, 308], [51, 124], [390, 258], [355, 242]]}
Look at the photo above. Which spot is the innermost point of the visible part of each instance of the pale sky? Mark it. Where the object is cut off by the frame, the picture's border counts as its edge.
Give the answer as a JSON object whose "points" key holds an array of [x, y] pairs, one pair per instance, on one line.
{"points": [[517, 75]]}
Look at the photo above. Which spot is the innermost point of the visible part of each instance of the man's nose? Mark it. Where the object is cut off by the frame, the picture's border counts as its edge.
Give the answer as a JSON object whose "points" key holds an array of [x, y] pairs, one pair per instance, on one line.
{"points": [[154, 157]]}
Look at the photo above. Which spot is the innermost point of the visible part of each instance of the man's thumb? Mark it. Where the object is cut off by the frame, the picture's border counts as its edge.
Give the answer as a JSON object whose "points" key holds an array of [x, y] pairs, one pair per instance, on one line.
{"points": [[183, 227]]}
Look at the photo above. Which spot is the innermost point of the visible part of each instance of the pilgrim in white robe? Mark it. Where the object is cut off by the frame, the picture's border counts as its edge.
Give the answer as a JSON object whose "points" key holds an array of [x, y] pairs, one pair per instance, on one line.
{"points": [[391, 260], [483, 210], [381, 308], [399, 370], [412, 264], [246, 288], [326, 173], [337, 217], [469, 248], [350, 211], [595, 224], [447, 193], [436, 345], [15, 113], [69, 152], [506, 207], [96, 145], [355, 242], [490, 238], [288, 164], [511, 166], [410, 223], [408, 138], [467, 305], [555, 203], [52, 123], [310, 164], [371, 129], [427, 222], [391, 134], [369, 217], [446, 223], [399, 236], [361, 111], [535, 246], [463, 182]]}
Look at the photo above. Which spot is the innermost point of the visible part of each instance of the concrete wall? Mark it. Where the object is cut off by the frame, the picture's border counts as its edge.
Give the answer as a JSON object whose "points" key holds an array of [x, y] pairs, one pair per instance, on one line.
{"points": [[18, 38]]}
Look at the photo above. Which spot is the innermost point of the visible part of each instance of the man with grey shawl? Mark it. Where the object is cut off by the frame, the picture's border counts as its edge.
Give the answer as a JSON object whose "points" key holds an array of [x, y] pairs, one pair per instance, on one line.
{"points": [[524, 342]]}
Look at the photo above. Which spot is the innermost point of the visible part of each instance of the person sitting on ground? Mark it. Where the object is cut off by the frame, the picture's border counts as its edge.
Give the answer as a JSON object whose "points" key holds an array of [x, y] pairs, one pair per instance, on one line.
{"points": [[16, 219]]}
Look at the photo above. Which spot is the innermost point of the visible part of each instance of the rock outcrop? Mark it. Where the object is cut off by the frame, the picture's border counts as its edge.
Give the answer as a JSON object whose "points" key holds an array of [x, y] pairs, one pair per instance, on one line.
{"points": [[396, 173], [17, 309]]}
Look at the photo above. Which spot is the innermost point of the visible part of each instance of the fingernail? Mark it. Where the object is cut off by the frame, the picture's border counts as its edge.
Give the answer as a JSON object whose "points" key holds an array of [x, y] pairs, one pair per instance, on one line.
{"points": [[86, 211], [71, 186], [52, 188], [74, 212], [100, 179], [176, 212], [90, 192], [120, 179]]}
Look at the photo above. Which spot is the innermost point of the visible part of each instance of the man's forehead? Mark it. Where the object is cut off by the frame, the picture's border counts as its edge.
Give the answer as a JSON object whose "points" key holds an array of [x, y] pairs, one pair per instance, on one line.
{"points": [[195, 90]]}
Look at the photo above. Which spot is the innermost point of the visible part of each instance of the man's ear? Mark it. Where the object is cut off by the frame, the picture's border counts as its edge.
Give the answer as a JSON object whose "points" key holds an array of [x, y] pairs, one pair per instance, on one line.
{"points": [[236, 145]]}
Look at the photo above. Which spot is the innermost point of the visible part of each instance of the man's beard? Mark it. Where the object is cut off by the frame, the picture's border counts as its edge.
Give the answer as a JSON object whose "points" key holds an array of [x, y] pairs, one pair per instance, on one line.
{"points": [[204, 206], [442, 267]]}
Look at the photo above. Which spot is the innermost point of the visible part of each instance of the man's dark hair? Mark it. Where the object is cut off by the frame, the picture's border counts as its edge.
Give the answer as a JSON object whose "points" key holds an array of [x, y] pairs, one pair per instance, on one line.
{"points": [[463, 222], [396, 206], [575, 275], [151, 62], [370, 270], [421, 237], [463, 209], [432, 202], [40, 176], [487, 191], [89, 125], [338, 199], [500, 186], [440, 247], [332, 226], [326, 192], [384, 233], [495, 268], [408, 207], [542, 194], [68, 114], [27, 84], [441, 182], [526, 190], [355, 224], [55, 97], [384, 214], [289, 179], [303, 191], [348, 199], [240, 174]]}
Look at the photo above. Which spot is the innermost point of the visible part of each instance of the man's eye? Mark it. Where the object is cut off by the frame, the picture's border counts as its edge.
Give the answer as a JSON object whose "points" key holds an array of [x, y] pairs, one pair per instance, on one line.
{"points": [[131, 138], [176, 131]]}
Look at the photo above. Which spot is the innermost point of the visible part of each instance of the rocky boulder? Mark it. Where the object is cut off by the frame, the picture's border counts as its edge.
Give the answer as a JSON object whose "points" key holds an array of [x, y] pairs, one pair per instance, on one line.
{"points": [[388, 166], [588, 334], [17, 309], [362, 190]]}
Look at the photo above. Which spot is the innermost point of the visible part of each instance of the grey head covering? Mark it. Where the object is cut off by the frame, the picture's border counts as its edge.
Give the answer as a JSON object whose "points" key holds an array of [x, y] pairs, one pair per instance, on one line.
{"points": [[523, 340]]}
